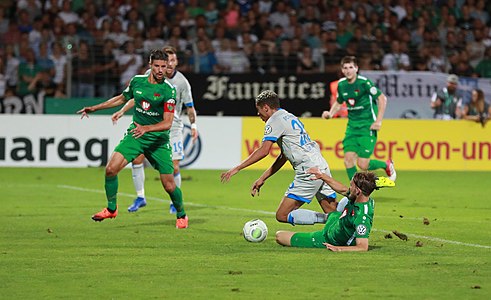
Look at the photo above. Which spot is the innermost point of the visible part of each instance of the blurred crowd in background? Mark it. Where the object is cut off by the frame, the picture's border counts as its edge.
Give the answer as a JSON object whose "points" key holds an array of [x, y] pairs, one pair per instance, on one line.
{"points": [[92, 48]]}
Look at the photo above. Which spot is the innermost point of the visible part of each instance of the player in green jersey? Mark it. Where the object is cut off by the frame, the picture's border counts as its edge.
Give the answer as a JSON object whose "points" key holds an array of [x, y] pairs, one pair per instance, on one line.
{"points": [[344, 231], [148, 134], [366, 107]]}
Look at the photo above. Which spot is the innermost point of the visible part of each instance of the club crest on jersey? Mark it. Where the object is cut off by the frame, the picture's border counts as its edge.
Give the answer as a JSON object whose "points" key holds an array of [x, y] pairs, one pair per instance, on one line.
{"points": [[156, 96], [361, 229], [268, 129], [351, 101], [145, 105]]}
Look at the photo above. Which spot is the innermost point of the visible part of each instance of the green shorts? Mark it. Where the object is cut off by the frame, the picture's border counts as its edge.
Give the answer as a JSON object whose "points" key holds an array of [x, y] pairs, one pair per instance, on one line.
{"points": [[362, 142], [157, 152]]}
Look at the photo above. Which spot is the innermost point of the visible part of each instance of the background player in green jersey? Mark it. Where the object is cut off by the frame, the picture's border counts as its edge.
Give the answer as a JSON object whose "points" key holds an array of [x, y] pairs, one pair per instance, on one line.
{"points": [[344, 231], [148, 134], [366, 107]]}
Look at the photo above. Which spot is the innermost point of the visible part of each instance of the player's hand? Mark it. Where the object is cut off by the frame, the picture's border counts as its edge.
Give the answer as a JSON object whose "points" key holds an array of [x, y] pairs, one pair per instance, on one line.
{"points": [[331, 247], [316, 173], [194, 134], [138, 131], [326, 114], [85, 112], [376, 126], [225, 177], [256, 187], [116, 116]]}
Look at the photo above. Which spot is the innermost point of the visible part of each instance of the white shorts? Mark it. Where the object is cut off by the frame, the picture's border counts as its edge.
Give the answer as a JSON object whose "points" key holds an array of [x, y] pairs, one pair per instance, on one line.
{"points": [[176, 143], [304, 189]]}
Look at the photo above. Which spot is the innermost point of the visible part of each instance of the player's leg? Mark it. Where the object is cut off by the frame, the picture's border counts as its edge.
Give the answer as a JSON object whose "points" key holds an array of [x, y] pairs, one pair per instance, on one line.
{"points": [[314, 239], [116, 163], [350, 146], [160, 159], [138, 175], [283, 237], [176, 140], [325, 195], [302, 190]]}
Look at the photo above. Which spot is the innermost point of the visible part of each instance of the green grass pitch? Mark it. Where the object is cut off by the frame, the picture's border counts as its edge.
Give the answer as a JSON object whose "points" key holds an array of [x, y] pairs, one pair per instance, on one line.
{"points": [[51, 249]]}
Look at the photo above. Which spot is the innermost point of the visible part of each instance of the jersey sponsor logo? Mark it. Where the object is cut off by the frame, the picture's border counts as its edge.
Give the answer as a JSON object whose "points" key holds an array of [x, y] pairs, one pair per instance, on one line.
{"points": [[373, 90], [191, 150], [145, 105], [139, 92], [268, 129], [351, 101], [361, 229]]}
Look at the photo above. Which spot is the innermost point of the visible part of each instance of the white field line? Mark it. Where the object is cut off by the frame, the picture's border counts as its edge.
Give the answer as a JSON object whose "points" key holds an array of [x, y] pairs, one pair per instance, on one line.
{"points": [[435, 239]]}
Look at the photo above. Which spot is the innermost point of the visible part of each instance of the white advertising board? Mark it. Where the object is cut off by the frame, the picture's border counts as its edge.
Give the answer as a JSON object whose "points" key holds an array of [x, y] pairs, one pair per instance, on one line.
{"points": [[68, 141]]}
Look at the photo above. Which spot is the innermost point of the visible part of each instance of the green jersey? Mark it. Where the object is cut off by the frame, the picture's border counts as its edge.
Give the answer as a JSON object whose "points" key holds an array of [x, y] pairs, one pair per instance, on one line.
{"points": [[151, 101], [361, 101], [355, 221]]}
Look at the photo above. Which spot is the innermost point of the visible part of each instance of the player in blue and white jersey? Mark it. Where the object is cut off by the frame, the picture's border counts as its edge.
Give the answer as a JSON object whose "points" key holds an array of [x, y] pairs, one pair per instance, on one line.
{"points": [[289, 133]]}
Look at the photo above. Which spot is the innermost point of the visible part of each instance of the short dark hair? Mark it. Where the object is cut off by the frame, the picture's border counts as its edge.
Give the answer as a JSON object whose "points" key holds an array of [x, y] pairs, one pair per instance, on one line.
{"points": [[268, 97], [349, 59], [365, 181], [158, 54]]}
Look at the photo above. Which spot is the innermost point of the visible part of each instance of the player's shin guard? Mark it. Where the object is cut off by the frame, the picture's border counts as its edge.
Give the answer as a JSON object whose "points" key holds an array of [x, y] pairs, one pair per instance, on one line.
{"points": [[138, 173], [306, 217], [176, 197], [111, 186]]}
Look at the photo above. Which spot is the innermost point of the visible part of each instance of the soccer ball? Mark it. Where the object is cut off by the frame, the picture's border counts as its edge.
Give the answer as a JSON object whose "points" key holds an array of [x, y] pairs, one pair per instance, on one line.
{"points": [[255, 231]]}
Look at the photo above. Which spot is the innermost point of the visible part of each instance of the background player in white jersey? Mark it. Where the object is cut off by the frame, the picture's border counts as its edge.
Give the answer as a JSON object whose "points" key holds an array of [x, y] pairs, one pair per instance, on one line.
{"points": [[183, 97], [296, 147]]}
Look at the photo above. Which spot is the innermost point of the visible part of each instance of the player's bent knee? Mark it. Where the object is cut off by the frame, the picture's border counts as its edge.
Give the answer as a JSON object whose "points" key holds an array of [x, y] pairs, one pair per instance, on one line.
{"points": [[281, 217], [111, 171]]}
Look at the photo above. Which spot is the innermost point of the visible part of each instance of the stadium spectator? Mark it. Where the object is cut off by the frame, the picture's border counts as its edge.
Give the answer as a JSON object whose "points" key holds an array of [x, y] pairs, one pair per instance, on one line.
{"points": [[29, 74], [106, 71], [396, 60], [59, 59], [66, 13], [346, 230], [204, 60], [130, 63], [12, 63], [483, 68], [306, 64], [285, 61], [83, 72], [444, 101], [477, 110], [280, 15], [260, 59], [3, 78]]}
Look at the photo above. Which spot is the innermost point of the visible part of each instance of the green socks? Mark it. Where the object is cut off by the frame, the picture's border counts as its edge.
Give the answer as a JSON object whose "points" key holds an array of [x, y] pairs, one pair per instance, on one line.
{"points": [[351, 172], [376, 164], [176, 197], [111, 186]]}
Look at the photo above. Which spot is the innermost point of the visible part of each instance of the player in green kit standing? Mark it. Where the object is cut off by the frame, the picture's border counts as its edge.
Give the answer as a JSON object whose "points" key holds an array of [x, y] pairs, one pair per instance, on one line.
{"points": [[346, 230], [148, 134], [366, 107]]}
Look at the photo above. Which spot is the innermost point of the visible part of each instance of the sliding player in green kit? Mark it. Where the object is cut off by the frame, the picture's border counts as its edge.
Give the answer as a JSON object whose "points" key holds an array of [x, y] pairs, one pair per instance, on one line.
{"points": [[366, 107], [148, 134], [344, 231]]}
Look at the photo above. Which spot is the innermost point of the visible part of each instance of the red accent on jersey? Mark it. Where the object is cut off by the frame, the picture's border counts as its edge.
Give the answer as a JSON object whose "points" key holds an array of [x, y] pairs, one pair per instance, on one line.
{"points": [[169, 107]]}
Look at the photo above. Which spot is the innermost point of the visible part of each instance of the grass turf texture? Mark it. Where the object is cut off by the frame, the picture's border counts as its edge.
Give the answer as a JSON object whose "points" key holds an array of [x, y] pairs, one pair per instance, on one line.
{"points": [[50, 248]]}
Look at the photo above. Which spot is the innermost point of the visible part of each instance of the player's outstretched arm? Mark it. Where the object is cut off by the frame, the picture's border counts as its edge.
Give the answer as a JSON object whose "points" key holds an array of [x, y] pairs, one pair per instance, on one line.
{"points": [[278, 163], [117, 115], [361, 246], [113, 102], [334, 109], [333, 183], [382, 104], [192, 119], [255, 156]]}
